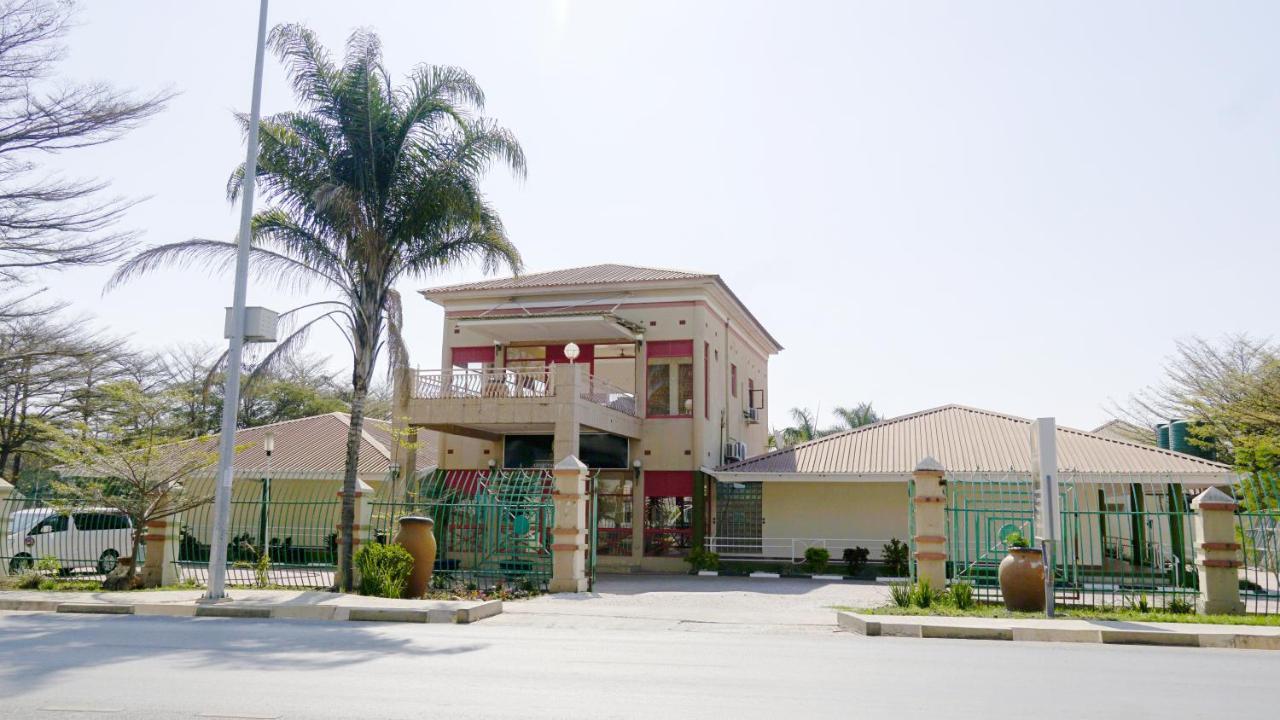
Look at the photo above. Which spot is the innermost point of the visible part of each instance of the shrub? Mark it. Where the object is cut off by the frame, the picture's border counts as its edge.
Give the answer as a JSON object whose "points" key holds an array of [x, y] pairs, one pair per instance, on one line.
{"points": [[856, 559], [48, 565], [816, 559], [1178, 606], [29, 580], [897, 558], [961, 595], [1140, 604], [922, 594], [702, 559], [1016, 539], [900, 593], [384, 569]]}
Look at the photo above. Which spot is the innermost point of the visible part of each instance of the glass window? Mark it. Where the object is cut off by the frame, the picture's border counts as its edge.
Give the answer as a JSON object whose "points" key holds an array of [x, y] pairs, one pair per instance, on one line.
{"points": [[668, 526], [666, 398], [602, 450], [55, 523], [614, 516], [101, 521], [528, 451], [535, 356]]}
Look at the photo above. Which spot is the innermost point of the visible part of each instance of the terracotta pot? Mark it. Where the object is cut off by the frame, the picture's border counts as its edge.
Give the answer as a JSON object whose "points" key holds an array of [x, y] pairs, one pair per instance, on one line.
{"points": [[1022, 580], [416, 536]]}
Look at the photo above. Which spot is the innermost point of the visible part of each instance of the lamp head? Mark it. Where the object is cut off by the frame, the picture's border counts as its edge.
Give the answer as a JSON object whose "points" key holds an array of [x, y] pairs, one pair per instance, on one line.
{"points": [[571, 351], [269, 442]]}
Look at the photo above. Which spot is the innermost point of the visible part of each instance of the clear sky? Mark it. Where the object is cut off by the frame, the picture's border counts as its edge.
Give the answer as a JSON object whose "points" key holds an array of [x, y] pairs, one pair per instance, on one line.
{"points": [[1018, 206]]}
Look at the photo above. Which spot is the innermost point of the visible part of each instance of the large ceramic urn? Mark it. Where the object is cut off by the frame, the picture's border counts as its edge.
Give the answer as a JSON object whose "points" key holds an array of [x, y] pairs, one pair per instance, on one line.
{"points": [[1022, 580], [416, 536]]}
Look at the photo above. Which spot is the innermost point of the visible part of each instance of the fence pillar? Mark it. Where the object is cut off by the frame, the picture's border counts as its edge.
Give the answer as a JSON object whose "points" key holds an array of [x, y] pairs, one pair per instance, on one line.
{"points": [[364, 522], [569, 536], [6, 491], [569, 382], [160, 567], [1217, 553], [930, 508]]}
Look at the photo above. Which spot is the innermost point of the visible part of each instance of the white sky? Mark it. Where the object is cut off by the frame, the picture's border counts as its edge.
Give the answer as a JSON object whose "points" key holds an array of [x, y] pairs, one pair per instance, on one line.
{"points": [[1018, 206]]}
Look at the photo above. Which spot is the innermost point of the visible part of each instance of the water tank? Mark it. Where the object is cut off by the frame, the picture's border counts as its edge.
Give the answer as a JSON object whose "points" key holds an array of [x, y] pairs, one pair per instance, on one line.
{"points": [[1162, 435], [1178, 441]]}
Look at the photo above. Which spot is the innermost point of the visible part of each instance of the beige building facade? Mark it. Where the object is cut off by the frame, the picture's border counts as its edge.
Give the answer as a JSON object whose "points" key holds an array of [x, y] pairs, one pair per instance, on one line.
{"points": [[651, 377]]}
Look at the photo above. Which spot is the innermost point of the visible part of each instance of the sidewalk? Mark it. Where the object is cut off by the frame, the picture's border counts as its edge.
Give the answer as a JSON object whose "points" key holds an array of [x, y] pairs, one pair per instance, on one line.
{"points": [[264, 604], [1250, 637]]}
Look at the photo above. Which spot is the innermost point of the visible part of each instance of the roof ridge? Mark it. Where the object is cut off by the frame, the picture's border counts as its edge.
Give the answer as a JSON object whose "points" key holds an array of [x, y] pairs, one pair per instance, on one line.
{"points": [[689, 275]]}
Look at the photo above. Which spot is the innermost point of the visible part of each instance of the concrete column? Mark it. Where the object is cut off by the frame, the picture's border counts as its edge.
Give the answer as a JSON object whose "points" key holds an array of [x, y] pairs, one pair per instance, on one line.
{"points": [[362, 529], [6, 491], [930, 508], [163, 537], [569, 536], [568, 380], [637, 520], [1217, 553]]}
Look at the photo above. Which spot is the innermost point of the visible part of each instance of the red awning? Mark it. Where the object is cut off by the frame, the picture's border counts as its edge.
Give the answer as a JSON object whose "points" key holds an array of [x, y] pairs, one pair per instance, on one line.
{"points": [[668, 483]]}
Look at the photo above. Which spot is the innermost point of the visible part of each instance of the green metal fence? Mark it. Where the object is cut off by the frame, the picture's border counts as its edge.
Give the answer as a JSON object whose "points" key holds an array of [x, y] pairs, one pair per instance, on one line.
{"points": [[288, 541], [63, 539], [491, 527], [1125, 541], [1258, 533]]}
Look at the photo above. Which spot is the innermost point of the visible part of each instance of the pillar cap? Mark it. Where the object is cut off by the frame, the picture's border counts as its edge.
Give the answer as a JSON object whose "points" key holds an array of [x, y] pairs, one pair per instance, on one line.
{"points": [[928, 464], [1213, 499], [571, 463], [5, 485]]}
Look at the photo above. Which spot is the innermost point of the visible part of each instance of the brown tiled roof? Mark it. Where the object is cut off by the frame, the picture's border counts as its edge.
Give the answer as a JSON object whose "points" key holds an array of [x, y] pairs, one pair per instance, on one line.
{"points": [[968, 440], [315, 446], [591, 275]]}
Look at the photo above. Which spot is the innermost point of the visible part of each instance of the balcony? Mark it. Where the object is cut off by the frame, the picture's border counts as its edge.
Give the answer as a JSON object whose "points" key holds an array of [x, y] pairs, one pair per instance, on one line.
{"points": [[489, 403]]}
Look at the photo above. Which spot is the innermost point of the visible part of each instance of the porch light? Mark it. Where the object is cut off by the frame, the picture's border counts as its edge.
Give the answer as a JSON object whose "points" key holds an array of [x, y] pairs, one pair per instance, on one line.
{"points": [[492, 463], [269, 442], [571, 352]]}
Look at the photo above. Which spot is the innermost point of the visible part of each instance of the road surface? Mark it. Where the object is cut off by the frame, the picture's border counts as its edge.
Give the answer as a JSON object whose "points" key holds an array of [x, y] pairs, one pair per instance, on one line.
{"points": [[552, 663]]}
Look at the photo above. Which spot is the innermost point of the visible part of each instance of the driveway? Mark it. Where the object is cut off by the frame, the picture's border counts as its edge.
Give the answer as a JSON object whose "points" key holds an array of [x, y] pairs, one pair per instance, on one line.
{"points": [[687, 602]]}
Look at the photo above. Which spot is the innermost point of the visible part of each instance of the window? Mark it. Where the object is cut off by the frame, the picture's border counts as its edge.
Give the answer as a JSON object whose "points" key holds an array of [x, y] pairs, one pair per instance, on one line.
{"points": [[669, 379], [55, 523], [706, 380], [614, 516], [602, 450], [101, 521], [595, 450], [534, 357], [733, 379]]}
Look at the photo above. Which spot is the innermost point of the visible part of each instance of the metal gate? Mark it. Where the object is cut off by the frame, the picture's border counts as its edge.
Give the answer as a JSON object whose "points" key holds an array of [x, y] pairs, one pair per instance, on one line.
{"points": [[491, 527]]}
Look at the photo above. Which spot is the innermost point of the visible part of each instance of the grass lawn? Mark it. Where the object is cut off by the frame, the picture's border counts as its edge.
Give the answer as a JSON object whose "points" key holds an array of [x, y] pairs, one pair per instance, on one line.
{"points": [[987, 610]]}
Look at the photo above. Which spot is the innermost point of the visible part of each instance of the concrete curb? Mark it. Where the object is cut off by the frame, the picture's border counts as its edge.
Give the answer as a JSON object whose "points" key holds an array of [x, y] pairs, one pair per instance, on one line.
{"points": [[919, 627], [259, 611]]}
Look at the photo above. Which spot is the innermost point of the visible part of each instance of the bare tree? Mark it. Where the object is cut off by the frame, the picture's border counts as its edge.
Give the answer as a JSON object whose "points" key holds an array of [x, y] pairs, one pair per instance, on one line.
{"points": [[48, 222]]}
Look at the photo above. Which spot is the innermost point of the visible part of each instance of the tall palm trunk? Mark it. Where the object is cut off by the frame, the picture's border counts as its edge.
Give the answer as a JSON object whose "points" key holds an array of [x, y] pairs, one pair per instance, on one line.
{"points": [[365, 342]]}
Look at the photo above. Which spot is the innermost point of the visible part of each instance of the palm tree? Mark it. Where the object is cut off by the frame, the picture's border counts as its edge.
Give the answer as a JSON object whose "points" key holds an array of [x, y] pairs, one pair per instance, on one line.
{"points": [[857, 416], [363, 186], [804, 430]]}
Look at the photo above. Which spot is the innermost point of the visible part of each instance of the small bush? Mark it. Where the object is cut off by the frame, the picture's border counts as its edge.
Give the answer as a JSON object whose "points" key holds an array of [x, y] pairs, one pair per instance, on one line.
{"points": [[1140, 604], [1178, 606], [961, 595], [816, 559], [29, 580], [856, 559], [1016, 539], [702, 559], [900, 593], [48, 565], [923, 595], [897, 558], [384, 569]]}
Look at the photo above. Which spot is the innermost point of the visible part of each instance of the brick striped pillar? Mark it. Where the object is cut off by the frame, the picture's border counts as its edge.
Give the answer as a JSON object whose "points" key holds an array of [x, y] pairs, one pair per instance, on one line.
{"points": [[162, 540], [1217, 553], [569, 536], [930, 508], [364, 522]]}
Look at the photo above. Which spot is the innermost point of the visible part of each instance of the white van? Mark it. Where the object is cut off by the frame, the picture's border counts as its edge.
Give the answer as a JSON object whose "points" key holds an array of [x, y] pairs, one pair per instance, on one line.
{"points": [[85, 537]]}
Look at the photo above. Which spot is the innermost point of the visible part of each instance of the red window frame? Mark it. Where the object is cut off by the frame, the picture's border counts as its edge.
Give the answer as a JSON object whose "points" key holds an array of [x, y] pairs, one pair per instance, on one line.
{"points": [[657, 349], [733, 379]]}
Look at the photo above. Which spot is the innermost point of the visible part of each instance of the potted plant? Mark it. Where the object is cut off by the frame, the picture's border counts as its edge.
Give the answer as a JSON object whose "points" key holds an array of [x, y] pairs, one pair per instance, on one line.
{"points": [[1022, 575]]}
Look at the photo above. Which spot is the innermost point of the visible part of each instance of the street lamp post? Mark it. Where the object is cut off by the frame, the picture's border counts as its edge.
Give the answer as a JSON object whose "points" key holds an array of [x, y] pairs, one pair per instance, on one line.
{"points": [[231, 395], [268, 446]]}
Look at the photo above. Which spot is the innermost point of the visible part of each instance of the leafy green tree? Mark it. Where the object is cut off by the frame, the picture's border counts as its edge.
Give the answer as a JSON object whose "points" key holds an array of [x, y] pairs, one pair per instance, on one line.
{"points": [[366, 185], [857, 416]]}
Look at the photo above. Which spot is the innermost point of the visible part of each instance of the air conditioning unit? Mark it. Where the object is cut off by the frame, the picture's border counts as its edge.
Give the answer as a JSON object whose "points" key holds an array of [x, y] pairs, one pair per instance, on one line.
{"points": [[751, 415], [734, 451]]}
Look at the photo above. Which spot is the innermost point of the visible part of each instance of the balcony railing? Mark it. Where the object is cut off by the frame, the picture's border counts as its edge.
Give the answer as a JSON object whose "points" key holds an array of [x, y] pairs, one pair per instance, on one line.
{"points": [[487, 383], [602, 392]]}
